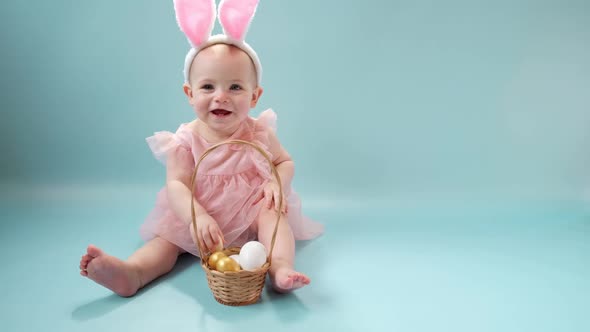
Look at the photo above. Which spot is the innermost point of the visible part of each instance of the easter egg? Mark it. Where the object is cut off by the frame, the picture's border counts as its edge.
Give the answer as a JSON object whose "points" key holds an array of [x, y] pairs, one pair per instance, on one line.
{"points": [[214, 258], [226, 264], [235, 258], [252, 255]]}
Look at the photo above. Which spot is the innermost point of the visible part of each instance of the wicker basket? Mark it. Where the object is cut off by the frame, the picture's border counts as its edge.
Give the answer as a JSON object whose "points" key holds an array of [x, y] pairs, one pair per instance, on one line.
{"points": [[242, 287]]}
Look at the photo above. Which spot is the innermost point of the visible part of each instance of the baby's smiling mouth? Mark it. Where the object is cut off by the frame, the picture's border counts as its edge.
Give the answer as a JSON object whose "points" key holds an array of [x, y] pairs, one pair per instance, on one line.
{"points": [[221, 112]]}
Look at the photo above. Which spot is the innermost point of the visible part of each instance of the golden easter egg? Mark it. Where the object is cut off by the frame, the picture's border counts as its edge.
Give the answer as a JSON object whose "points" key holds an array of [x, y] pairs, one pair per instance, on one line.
{"points": [[226, 264], [214, 258]]}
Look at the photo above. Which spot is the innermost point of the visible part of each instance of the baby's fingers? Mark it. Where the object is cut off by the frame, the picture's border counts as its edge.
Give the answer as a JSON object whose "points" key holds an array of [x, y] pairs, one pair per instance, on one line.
{"points": [[208, 239], [198, 237], [277, 200], [268, 198], [219, 240]]}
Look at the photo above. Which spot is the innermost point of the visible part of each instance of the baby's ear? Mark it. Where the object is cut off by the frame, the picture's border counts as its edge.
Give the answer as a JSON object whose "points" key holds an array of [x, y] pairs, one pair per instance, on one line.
{"points": [[188, 91], [255, 96]]}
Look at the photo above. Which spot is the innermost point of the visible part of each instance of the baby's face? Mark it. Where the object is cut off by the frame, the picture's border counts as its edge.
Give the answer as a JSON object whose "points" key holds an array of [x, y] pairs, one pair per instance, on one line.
{"points": [[223, 85]]}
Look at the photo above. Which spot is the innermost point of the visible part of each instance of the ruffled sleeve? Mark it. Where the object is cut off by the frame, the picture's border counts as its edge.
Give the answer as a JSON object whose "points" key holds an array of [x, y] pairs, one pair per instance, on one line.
{"points": [[268, 118], [162, 143]]}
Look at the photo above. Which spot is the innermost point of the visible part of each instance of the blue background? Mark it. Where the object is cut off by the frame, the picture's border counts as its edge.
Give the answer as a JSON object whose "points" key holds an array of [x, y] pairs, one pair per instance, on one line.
{"points": [[375, 99], [459, 123]]}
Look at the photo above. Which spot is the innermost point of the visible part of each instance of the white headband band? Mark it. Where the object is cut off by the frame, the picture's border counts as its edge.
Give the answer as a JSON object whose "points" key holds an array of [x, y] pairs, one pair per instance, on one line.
{"points": [[197, 17]]}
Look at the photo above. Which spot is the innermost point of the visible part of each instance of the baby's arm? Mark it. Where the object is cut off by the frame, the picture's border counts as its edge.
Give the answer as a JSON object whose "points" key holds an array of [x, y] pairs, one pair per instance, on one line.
{"points": [[284, 165], [178, 180]]}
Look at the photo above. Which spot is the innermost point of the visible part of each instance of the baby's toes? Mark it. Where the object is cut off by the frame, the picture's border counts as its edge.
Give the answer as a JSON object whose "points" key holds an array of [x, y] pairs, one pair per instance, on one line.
{"points": [[83, 268], [84, 261], [301, 278]]}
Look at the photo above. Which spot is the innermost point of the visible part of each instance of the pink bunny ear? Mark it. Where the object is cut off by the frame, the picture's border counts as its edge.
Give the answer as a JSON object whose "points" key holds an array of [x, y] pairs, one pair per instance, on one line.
{"points": [[196, 19], [235, 17]]}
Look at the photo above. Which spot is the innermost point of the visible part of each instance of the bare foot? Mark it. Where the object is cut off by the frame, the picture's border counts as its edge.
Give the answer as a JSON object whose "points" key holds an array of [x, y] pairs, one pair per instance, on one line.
{"points": [[110, 272], [285, 279]]}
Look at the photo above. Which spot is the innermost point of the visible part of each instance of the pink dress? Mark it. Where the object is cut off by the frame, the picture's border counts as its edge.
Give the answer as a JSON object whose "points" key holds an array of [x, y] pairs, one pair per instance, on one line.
{"points": [[230, 183]]}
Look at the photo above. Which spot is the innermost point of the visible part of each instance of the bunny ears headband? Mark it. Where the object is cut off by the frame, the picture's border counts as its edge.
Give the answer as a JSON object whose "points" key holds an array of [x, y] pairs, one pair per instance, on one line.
{"points": [[197, 17]]}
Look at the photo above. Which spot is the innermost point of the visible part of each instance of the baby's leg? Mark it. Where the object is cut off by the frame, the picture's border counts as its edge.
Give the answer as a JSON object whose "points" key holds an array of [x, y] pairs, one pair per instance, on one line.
{"points": [[282, 273], [152, 260]]}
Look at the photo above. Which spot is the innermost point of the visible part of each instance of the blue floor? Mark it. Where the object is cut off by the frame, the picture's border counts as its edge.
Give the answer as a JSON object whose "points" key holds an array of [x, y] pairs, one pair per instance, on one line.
{"points": [[410, 266]]}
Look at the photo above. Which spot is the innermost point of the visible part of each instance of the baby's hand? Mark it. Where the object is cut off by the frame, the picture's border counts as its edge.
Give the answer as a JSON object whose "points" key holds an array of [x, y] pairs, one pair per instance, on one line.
{"points": [[209, 233], [272, 197]]}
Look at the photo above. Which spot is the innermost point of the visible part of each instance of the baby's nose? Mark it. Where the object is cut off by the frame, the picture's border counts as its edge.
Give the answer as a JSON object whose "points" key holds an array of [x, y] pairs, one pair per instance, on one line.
{"points": [[221, 97]]}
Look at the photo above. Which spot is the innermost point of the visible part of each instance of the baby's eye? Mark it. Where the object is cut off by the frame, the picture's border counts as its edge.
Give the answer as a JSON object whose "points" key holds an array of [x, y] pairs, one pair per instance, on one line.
{"points": [[207, 86], [235, 87]]}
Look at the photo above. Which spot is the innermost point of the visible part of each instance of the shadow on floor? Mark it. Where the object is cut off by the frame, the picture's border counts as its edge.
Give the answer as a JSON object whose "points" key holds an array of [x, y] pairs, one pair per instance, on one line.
{"points": [[189, 278], [105, 305], [288, 307]]}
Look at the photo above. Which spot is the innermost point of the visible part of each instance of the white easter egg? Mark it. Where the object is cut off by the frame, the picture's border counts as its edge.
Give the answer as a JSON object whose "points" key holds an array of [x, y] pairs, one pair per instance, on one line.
{"points": [[252, 255], [235, 258]]}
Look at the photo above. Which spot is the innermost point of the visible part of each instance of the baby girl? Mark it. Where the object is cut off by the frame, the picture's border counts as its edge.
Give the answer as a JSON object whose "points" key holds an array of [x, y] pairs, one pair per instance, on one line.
{"points": [[237, 199]]}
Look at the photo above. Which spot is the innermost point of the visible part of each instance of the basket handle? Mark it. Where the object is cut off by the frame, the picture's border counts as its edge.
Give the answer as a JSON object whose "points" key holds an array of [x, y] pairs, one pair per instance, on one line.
{"points": [[193, 189]]}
